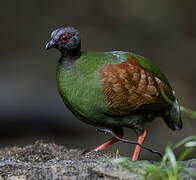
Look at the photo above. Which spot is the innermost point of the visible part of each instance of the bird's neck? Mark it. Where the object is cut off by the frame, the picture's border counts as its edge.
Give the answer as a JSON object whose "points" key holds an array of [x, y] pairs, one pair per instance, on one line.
{"points": [[68, 58]]}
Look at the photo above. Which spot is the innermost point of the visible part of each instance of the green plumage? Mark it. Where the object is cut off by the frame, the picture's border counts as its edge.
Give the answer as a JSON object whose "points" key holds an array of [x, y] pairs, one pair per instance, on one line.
{"points": [[81, 90]]}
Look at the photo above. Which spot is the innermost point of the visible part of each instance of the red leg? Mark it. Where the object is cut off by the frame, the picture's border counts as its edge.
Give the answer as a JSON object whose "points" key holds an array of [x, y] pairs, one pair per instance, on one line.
{"points": [[106, 144], [138, 148]]}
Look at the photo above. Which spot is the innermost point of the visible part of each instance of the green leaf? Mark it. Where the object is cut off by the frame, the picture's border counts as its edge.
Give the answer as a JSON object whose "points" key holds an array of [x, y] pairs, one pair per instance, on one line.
{"points": [[189, 112], [190, 144], [190, 138], [171, 157], [184, 154], [117, 153], [154, 171]]}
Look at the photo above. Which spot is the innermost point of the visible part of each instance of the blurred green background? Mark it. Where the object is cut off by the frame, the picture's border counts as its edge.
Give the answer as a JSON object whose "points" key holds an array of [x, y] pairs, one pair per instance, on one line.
{"points": [[30, 106]]}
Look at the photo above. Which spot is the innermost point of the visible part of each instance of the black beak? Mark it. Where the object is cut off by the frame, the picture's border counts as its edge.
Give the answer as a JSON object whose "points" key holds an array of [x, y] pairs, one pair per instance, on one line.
{"points": [[50, 44]]}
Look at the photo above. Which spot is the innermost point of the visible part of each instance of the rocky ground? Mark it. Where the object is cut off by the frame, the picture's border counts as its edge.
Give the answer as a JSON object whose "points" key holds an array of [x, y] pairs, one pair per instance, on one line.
{"points": [[49, 161]]}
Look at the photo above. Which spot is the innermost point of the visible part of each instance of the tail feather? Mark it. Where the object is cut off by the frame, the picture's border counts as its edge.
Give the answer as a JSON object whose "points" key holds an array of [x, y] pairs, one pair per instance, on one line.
{"points": [[172, 116]]}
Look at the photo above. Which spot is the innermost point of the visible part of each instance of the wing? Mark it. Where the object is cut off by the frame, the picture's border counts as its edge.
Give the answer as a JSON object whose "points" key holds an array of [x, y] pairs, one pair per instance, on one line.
{"points": [[129, 86]]}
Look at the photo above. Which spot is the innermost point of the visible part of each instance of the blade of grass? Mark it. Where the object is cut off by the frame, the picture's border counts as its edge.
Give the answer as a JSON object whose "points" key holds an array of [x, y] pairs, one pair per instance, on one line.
{"points": [[190, 144], [189, 112], [154, 171], [190, 138], [184, 154], [171, 157]]}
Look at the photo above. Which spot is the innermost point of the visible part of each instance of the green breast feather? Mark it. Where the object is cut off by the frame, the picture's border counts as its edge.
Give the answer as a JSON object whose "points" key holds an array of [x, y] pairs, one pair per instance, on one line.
{"points": [[80, 86]]}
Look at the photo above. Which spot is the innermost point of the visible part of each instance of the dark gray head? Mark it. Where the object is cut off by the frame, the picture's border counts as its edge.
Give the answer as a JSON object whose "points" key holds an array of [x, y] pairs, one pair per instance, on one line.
{"points": [[66, 39]]}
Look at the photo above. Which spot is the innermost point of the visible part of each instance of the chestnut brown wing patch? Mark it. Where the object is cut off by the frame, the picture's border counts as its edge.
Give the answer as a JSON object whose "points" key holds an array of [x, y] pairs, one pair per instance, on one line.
{"points": [[129, 86]]}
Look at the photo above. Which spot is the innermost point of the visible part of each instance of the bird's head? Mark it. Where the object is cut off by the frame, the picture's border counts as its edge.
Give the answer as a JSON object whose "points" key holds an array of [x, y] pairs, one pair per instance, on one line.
{"points": [[66, 39]]}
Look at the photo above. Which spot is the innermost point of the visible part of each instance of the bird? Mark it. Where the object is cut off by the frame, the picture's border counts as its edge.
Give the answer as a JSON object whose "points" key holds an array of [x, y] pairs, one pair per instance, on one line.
{"points": [[113, 90]]}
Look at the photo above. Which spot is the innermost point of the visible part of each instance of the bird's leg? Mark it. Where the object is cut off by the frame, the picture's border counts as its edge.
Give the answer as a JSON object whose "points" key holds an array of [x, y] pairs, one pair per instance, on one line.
{"points": [[108, 143], [118, 132], [138, 148], [131, 142]]}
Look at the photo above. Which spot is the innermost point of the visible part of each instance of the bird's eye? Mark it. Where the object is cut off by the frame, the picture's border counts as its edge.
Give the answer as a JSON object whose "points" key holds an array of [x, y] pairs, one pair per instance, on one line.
{"points": [[65, 37]]}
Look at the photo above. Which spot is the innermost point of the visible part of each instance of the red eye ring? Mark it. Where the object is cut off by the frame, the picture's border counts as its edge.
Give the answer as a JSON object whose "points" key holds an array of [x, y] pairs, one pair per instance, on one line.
{"points": [[65, 37]]}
